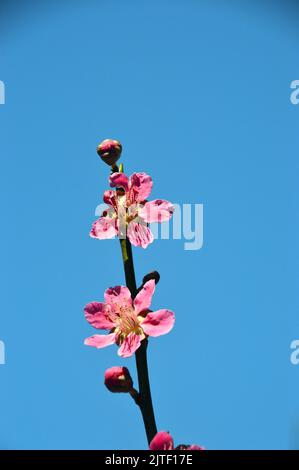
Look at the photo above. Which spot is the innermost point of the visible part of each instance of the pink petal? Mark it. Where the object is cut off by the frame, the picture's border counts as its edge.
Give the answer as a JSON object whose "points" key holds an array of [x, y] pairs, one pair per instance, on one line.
{"points": [[157, 211], [119, 180], [109, 198], [96, 315], [143, 299], [162, 441], [103, 228], [119, 296], [158, 323], [140, 187], [139, 234], [100, 341], [130, 344]]}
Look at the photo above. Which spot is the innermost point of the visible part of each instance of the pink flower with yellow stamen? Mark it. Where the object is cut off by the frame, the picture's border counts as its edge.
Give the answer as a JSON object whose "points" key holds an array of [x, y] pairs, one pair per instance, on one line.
{"points": [[129, 213], [128, 321]]}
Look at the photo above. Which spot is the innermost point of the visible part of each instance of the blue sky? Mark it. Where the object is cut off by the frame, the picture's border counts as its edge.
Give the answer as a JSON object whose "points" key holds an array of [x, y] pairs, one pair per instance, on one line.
{"points": [[198, 93]]}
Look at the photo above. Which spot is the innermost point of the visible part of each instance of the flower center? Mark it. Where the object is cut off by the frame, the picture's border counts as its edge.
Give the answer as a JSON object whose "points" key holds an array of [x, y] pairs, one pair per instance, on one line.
{"points": [[126, 210], [126, 322]]}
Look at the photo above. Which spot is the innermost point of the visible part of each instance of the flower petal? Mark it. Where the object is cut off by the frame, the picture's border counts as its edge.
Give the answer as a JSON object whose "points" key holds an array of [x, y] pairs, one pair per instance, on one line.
{"points": [[100, 341], [158, 323], [158, 210], [143, 299], [109, 198], [103, 228], [140, 186], [162, 441], [96, 315], [119, 180], [130, 344], [119, 296], [139, 234]]}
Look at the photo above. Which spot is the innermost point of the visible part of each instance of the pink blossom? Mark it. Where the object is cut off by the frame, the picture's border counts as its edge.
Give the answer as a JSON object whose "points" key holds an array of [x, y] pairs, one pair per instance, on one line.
{"points": [[128, 321], [118, 380], [164, 441], [128, 212]]}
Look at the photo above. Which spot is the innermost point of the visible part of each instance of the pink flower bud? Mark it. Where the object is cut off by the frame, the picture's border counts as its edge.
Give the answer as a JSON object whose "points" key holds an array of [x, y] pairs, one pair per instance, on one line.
{"points": [[188, 447], [162, 441], [109, 150], [118, 380]]}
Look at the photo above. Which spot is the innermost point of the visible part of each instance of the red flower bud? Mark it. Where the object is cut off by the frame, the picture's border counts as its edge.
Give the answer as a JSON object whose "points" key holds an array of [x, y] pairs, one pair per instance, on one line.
{"points": [[118, 380], [162, 441], [188, 447], [109, 150]]}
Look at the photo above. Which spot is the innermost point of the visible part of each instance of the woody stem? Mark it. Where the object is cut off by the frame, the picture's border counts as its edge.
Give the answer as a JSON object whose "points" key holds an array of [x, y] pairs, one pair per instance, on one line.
{"points": [[145, 400]]}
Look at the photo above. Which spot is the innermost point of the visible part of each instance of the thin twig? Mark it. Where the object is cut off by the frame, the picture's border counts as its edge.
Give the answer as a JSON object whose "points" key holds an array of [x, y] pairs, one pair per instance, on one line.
{"points": [[144, 400]]}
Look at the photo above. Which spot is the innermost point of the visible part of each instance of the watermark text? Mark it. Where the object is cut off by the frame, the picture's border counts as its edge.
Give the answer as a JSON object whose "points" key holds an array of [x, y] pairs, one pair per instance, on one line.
{"points": [[2, 352], [295, 94], [2, 92], [294, 358], [186, 224]]}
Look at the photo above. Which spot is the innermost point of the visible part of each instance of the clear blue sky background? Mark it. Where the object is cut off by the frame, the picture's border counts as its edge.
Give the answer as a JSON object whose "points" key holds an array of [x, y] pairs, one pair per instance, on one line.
{"points": [[198, 93]]}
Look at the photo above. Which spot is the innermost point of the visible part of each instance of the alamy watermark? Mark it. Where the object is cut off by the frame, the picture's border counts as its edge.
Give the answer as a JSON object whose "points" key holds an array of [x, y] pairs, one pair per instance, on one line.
{"points": [[294, 346], [2, 92], [186, 224], [2, 353], [295, 94], [294, 357]]}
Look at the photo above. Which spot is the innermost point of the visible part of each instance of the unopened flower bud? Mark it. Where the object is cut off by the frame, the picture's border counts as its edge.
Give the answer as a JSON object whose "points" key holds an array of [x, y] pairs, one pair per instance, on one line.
{"points": [[118, 380], [153, 275], [188, 447], [109, 150], [162, 441]]}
